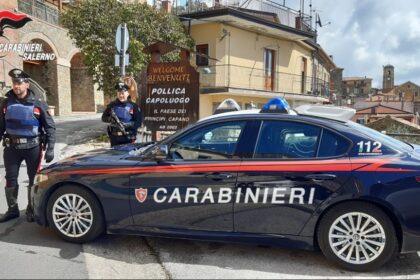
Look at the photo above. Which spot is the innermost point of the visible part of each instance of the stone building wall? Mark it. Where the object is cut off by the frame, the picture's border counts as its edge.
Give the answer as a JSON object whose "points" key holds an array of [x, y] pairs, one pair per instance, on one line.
{"points": [[99, 99], [64, 90], [81, 99], [54, 76]]}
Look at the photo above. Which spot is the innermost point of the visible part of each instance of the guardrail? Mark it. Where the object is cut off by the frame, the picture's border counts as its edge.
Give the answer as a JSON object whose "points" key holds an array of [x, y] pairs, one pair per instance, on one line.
{"points": [[242, 77], [286, 15]]}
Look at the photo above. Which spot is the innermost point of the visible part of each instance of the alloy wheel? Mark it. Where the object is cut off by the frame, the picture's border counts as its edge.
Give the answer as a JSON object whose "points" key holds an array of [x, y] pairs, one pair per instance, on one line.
{"points": [[357, 238], [72, 215]]}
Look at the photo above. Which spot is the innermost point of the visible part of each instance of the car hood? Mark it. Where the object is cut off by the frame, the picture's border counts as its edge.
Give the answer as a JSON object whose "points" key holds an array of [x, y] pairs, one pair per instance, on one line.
{"points": [[121, 155]]}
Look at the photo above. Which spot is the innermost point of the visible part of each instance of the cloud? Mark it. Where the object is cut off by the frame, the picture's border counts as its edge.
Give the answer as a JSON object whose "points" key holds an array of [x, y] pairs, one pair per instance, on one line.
{"points": [[365, 35]]}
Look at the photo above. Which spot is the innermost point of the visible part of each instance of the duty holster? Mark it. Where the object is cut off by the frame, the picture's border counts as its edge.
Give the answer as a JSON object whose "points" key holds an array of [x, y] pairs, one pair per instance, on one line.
{"points": [[6, 141]]}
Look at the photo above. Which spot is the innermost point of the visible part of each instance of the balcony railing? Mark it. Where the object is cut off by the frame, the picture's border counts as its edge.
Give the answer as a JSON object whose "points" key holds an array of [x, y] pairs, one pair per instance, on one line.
{"points": [[286, 15], [39, 9], [234, 76]]}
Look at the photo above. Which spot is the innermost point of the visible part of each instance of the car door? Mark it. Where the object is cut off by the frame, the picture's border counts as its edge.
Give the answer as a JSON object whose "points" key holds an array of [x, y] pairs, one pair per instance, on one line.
{"points": [[295, 167], [191, 189]]}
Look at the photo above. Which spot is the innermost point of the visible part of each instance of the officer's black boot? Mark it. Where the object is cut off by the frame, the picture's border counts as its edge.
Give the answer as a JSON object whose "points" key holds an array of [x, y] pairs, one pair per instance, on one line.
{"points": [[13, 211], [29, 208]]}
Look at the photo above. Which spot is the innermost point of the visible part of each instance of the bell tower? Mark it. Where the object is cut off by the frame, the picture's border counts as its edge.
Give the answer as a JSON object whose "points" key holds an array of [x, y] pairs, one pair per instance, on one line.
{"points": [[388, 78]]}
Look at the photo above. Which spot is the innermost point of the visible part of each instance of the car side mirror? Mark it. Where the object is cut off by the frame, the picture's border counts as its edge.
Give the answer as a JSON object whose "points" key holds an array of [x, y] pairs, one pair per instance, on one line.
{"points": [[160, 152]]}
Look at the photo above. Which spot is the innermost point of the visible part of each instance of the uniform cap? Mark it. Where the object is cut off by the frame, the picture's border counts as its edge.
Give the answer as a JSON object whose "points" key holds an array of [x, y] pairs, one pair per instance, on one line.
{"points": [[18, 75], [121, 86]]}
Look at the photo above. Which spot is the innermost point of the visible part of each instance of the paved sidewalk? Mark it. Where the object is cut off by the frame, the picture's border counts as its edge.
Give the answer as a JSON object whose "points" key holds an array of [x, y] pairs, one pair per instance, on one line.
{"points": [[77, 116]]}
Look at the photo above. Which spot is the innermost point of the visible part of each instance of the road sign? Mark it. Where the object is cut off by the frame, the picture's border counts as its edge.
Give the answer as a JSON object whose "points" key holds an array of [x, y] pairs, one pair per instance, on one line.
{"points": [[121, 42], [122, 38], [117, 59]]}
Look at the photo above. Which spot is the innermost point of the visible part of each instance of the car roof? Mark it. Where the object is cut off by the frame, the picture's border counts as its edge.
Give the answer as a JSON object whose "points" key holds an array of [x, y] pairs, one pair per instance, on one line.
{"points": [[256, 114]]}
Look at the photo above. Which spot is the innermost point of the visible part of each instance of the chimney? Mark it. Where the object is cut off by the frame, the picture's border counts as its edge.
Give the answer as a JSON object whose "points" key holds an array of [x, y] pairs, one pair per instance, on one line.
{"points": [[166, 6], [298, 23]]}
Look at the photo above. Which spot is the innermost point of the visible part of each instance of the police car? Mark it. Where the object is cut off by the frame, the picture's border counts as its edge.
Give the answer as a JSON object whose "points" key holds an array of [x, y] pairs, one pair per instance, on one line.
{"points": [[307, 178]]}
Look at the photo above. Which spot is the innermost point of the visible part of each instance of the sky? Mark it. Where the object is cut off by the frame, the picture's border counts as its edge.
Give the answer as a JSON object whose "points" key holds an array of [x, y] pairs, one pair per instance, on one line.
{"points": [[365, 35]]}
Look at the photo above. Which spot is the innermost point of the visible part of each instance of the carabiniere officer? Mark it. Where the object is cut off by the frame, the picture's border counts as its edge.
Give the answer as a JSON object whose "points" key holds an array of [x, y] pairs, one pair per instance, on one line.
{"points": [[124, 117], [25, 125]]}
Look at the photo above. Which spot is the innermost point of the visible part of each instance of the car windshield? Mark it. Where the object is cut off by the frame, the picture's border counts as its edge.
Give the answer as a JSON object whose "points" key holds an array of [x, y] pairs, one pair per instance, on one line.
{"points": [[148, 148], [385, 139]]}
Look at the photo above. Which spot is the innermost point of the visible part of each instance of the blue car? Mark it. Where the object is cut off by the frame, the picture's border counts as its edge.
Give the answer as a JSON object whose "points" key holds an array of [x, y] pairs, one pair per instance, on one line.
{"points": [[307, 178]]}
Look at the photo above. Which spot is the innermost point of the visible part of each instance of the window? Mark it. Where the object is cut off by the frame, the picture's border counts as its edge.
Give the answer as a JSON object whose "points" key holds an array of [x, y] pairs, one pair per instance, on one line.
{"points": [[332, 144], [361, 120], [416, 94], [268, 62], [268, 69], [287, 140], [213, 142], [204, 50], [303, 74]]}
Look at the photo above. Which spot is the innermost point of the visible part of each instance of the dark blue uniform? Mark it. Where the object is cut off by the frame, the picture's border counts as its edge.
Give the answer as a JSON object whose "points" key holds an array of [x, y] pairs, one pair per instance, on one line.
{"points": [[22, 122], [129, 115]]}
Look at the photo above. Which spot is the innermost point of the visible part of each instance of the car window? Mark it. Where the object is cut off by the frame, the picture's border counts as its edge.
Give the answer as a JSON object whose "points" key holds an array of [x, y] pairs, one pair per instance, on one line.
{"points": [[332, 144], [212, 142], [288, 140]]}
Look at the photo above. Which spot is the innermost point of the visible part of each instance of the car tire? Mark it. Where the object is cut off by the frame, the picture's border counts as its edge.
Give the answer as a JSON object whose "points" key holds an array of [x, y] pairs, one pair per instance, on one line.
{"points": [[358, 236], [75, 214]]}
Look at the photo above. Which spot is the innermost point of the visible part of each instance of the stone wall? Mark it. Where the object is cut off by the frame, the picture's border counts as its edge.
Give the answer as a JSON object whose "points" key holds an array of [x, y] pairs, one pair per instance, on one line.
{"points": [[64, 90], [99, 99], [397, 128], [82, 99]]}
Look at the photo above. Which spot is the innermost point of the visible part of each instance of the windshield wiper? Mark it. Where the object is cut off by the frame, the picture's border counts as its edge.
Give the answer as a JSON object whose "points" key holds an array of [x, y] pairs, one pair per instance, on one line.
{"points": [[409, 144]]}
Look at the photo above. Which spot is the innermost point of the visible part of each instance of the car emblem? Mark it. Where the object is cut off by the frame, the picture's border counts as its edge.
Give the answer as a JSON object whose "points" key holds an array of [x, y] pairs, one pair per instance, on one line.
{"points": [[141, 194]]}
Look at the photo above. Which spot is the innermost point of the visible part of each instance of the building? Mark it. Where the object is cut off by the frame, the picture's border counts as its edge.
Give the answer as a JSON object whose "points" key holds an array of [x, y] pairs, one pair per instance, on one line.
{"points": [[357, 87], [69, 87], [398, 128], [388, 77], [379, 111], [253, 55], [407, 92]]}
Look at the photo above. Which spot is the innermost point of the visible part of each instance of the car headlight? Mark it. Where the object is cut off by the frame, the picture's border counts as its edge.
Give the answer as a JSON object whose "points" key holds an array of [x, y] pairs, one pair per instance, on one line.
{"points": [[39, 178]]}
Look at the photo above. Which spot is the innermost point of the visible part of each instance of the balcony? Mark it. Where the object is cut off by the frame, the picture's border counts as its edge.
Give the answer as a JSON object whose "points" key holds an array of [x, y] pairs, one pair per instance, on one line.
{"points": [[222, 77], [40, 9], [286, 15]]}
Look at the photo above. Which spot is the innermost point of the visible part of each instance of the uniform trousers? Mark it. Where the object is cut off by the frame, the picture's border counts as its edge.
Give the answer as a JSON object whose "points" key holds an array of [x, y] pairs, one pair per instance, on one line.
{"points": [[13, 159]]}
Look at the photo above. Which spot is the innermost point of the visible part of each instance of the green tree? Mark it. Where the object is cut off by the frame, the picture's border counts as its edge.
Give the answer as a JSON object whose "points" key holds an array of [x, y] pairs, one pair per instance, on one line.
{"points": [[93, 23]]}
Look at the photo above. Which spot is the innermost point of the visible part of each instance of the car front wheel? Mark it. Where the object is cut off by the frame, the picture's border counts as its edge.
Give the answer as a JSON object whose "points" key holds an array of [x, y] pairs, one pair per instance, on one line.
{"points": [[75, 214], [358, 236]]}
